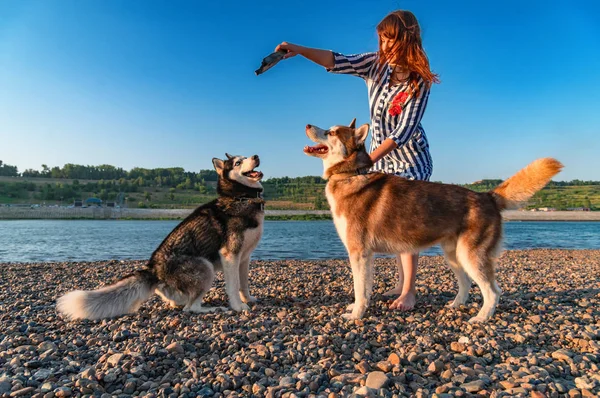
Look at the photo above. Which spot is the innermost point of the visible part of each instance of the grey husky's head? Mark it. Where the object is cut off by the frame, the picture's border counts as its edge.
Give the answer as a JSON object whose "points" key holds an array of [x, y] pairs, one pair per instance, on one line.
{"points": [[239, 169]]}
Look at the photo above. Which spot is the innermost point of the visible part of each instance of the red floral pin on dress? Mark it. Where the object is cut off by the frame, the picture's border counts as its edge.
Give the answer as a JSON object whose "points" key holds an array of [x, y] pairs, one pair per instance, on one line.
{"points": [[397, 103]]}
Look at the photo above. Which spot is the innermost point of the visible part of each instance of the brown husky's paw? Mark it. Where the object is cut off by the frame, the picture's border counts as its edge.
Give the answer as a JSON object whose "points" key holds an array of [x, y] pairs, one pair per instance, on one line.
{"points": [[350, 317], [175, 305], [453, 304], [248, 298], [458, 302], [477, 319]]}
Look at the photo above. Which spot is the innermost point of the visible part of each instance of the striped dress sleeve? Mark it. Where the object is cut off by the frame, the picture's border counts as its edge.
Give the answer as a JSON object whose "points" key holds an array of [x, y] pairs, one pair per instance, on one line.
{"points": [[358, 64], [411, 116]]}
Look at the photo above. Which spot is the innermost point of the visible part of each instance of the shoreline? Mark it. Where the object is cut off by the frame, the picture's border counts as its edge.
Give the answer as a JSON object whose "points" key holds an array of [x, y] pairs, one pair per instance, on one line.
{"points": [[344, 259], [294, 342], [58, 213]]}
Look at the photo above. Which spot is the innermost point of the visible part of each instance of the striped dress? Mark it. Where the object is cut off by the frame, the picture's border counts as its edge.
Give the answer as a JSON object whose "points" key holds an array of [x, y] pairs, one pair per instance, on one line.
{"points": [[411, 159]]}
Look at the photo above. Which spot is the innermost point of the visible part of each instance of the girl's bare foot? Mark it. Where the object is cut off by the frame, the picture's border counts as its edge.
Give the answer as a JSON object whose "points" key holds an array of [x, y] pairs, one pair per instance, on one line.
{"points": [[405, 302]]}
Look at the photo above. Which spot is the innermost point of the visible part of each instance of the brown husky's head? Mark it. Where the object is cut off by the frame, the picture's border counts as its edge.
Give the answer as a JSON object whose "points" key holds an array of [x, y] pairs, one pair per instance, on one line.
{"points": [[239, 169], [341, 148]]}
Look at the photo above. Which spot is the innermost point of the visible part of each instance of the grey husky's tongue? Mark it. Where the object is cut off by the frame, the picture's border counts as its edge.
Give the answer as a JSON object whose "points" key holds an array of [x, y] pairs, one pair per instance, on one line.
{"points": [[270, 61]]}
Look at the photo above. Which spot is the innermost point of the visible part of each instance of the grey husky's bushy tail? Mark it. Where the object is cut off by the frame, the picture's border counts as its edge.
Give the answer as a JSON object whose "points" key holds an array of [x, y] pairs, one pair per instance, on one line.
{"points": [[122, 297]]}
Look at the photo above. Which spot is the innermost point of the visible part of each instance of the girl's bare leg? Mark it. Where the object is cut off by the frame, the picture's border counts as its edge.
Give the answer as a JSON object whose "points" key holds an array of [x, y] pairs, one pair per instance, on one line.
{"points": [[408, 295]]}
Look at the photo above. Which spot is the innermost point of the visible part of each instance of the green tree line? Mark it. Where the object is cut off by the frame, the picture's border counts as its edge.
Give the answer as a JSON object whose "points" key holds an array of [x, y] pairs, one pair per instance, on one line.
{"points": [[172, 176], [160, 186], [7, 170]]}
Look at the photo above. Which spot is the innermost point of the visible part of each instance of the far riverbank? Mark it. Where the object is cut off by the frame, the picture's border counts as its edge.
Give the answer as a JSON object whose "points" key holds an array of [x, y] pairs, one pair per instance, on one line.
{"points": [[17, 213]]}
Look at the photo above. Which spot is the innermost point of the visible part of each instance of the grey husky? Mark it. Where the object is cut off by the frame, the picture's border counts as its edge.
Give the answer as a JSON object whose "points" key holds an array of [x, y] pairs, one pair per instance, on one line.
{"points": [[219, 235]]}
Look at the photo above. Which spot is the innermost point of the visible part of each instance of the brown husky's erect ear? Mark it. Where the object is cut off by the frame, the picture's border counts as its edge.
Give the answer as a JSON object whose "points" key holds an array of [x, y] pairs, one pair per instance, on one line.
{"points": [[229, 156], [353, 124], [361, 133], [219, 164]]}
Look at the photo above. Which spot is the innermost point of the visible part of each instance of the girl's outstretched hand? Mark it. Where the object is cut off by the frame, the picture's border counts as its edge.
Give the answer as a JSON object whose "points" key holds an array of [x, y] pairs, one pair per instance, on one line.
{"points": [[292, 49]]}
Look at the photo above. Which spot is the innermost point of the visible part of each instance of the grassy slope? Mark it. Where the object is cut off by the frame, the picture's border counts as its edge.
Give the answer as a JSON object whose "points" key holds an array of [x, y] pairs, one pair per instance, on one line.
{"points": [[301, 197]]}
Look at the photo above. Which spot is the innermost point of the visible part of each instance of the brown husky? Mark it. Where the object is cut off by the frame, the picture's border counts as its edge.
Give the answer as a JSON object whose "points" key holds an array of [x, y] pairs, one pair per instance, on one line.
{"points": [[382, 213]]}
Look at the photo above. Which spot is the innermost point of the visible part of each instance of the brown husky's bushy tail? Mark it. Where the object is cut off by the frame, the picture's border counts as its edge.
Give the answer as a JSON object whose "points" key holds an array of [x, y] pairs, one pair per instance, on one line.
{"points": [[519, 188]]}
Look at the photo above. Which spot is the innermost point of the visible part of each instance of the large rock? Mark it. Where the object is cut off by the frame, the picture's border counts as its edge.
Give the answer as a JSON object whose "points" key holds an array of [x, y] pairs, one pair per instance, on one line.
{"points": [[114, 359], [376, 380], [175, 348]]}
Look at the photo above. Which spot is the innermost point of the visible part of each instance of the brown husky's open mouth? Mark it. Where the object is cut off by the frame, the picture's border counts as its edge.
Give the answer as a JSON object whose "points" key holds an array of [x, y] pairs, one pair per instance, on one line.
{"points": [[320, 149]]}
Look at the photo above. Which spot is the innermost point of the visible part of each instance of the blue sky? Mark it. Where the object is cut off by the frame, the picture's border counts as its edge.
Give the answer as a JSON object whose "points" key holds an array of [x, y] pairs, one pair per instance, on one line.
{"points": [[171, 83]]}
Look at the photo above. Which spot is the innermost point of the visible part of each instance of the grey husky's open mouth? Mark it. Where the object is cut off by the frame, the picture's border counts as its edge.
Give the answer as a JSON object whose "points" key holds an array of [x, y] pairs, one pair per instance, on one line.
{"points": [[254, 174], [320, 149]]}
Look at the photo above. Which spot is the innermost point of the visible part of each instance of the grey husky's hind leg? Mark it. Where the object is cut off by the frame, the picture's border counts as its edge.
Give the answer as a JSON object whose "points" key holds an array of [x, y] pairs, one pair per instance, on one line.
{"points": [[196, 306], [191, 278], [205, 276], [172, 296]]}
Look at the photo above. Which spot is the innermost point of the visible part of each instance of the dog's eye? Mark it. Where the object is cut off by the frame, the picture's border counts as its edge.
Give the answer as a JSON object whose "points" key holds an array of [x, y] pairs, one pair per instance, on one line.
{"points": [[330, 132], [238, 163]]}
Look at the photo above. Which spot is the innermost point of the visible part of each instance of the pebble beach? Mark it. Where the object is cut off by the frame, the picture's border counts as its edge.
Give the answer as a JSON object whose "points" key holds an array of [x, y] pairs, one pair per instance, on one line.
{"points": [[544, 340]]}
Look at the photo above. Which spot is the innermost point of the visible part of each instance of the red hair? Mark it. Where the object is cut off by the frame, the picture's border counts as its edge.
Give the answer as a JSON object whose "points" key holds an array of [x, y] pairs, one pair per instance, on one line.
{"points": [[403, 28]]}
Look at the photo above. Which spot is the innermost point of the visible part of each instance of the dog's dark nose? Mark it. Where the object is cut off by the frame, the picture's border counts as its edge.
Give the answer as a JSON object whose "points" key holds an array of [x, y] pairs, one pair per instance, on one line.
{"points": [[255, 157], [308, 126]]}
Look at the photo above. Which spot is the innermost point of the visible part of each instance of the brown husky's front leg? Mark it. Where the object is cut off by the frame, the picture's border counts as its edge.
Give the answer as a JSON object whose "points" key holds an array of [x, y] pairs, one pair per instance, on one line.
{"points": [[362, 273]]}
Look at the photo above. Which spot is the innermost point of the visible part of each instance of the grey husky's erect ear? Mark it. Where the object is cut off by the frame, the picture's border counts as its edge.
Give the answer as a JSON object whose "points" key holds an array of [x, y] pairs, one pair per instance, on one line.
{"points": [[219, 164], [229, 156], [361, 133], [353, 124]]}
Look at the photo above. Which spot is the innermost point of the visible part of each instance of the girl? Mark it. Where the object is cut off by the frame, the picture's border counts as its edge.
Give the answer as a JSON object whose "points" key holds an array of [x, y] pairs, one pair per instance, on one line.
{"points": [[398, 79]]}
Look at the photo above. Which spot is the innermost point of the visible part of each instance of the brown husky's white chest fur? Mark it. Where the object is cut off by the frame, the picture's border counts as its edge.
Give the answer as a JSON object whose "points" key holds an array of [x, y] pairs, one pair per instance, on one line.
{"points": [[381, 213], [340, 221]]}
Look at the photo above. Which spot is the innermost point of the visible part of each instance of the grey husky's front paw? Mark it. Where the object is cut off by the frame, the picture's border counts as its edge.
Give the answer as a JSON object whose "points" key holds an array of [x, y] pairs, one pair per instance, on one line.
{"points": [[203, 310], [241, 307]]}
